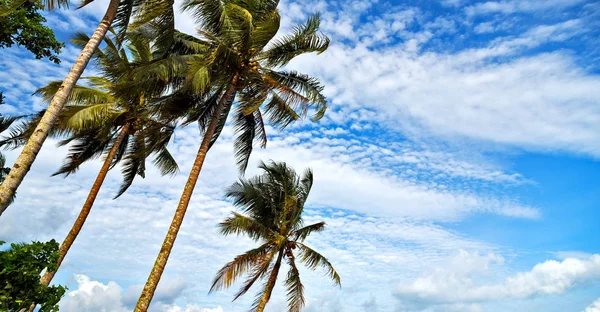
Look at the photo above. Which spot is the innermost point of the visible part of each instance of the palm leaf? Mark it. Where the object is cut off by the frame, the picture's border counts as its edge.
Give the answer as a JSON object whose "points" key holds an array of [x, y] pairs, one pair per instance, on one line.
{"points": [[305, 39], [240, 224], [313, 259], [295, 289], [227, 275], [80, 95], [301, 234]]}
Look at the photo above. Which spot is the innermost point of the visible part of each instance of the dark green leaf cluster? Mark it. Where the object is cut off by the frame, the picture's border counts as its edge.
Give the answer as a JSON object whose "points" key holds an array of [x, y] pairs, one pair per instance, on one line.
{"points": [[20, 267], [23, 25]]}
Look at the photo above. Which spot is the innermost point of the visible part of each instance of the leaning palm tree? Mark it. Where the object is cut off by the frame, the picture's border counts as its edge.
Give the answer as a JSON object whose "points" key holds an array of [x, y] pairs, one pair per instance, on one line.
{"points": [[114, 115], [272, 206], [5, 124], [118, 12], [235, 60]]}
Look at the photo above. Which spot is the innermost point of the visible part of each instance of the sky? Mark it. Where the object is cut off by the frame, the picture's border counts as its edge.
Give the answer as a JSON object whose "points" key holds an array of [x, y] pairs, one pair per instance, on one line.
{"points": [[456, 167]]}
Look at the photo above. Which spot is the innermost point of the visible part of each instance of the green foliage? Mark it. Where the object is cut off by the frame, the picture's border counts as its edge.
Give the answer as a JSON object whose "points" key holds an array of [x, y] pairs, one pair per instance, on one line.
{"points": [[236, 47], [272, 204], [24, 26], [95, 114], [20, 268]]}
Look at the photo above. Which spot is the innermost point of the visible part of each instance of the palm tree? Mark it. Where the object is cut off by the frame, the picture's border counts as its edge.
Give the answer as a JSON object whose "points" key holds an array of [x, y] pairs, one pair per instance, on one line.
{"points": [[118, 12], [114, 115], [5, 124], [273, 205], [235, 59]]}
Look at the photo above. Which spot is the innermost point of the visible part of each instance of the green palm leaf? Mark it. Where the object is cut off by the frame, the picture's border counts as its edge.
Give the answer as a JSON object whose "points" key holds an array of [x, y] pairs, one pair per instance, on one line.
{"points": [[313, 259]]}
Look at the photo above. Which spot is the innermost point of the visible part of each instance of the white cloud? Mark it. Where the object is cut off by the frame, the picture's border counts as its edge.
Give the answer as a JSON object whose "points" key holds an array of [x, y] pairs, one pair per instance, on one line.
{"points": [[541, 102], [94, 296], [458, 283], [594, 307], [513, 6]]}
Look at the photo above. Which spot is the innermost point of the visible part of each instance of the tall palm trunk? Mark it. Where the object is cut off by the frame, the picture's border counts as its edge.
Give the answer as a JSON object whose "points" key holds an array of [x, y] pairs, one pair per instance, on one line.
{"points": [[34, 144], [87, 207], [163, 256], [89, 202], [270, 284]]}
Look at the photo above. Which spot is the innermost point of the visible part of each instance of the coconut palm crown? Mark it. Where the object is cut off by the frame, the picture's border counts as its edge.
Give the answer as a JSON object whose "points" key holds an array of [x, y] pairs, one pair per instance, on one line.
{"points": [[111, 105], [236, 56], [272, 206]]}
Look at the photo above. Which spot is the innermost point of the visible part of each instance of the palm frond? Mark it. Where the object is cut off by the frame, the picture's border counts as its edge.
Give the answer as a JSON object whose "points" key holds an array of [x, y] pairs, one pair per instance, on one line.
{"points": [[84, 117], [313, 259], [295, 289], [134, 163], [84, 148], [259, 270], [301, 234], [279, 113], [165, 162], [264, 30], [240, 224], [7, 121], [305, 39], [227, 275], [203, 122], [159, 18], [80, 95], [209, 14]]}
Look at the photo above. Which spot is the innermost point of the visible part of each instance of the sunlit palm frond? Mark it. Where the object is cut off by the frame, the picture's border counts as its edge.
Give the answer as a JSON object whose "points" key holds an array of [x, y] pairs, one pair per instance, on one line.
{"points": [[209, 14], [304, 39], [238, 267], [83, 117], [259, 269], [264, 30], [79, 96]]}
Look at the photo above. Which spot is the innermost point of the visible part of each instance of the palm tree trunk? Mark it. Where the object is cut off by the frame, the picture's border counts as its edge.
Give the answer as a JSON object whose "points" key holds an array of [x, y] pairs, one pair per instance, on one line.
{"points": [[87, 206], [270, 284], [34, 144], [163, 256]]}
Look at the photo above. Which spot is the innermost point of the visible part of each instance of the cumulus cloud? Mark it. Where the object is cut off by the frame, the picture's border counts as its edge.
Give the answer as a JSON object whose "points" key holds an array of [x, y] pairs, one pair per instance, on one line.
{"points": [[594, 307], [94, 296], [457, 283]]}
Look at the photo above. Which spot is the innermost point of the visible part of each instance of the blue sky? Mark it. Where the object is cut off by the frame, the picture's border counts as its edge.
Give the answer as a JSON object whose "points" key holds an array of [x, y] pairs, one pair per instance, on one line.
{"points": [[456, 168]]}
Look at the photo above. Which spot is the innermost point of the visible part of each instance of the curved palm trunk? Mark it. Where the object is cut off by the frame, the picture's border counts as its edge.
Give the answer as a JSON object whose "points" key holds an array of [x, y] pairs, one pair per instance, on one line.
{"points": [[34, 144], [270, 284], [163, 256], [87, 206]]}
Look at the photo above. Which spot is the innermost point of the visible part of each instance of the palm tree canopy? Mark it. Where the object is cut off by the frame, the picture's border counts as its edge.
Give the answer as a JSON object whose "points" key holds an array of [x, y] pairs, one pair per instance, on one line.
{"points": [[237, 42], [272, 206], [96, 113]]}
